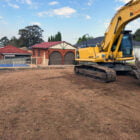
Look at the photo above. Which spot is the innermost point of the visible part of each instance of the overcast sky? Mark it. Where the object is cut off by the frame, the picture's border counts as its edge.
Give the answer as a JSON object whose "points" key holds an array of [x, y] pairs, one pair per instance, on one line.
{"points": [[73, 18]]}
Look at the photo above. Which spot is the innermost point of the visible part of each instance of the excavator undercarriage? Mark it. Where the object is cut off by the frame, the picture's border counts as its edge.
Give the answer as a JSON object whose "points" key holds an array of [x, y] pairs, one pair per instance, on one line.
{"points": [[96, 71], [107, 72]]}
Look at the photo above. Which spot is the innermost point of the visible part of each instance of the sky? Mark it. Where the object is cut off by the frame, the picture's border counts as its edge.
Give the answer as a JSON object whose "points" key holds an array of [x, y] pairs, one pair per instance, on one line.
{"points": [[73, 18]]}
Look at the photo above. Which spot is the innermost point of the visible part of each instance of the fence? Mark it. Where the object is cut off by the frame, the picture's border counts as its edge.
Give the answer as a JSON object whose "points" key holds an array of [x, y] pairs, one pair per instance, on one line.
{"points": [[16, 62], [24, 62]]}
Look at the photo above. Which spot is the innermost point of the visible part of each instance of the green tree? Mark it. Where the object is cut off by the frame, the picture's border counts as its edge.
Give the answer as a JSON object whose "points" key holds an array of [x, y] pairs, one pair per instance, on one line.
{"points": [[57, 37], [52, 38], [14, 41], [4, 41], [84, 38], [137, 35], [49, 39], [31, 35], [17, 42]]}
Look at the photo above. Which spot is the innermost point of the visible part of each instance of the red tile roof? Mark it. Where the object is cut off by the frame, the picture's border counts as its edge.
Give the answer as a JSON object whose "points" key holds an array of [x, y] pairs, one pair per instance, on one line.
{"points": [[46, 45], [12, 49]]}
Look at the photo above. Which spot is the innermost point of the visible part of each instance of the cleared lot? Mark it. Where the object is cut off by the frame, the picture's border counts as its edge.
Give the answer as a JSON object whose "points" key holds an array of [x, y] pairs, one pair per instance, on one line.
{"points": [[55, 104]]}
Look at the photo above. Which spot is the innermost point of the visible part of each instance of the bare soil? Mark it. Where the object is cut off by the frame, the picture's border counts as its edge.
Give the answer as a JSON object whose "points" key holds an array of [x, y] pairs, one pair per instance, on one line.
{"points": [[56, 104]]}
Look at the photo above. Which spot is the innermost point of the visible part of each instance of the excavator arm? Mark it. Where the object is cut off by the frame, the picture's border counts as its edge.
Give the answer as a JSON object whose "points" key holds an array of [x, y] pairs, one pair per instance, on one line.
{"points": [[125, 15]]}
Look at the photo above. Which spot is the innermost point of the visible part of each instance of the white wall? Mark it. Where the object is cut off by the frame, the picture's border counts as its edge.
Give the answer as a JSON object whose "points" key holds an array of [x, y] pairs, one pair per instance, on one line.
{"points": [[137, 52], [63, 46]]}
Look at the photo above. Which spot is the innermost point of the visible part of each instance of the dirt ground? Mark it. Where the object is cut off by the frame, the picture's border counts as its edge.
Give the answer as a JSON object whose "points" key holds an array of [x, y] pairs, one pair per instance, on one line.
{"points": [[56, 104]]}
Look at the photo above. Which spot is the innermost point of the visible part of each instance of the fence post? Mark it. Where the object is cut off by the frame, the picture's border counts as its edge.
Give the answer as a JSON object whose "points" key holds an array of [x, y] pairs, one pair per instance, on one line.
{"points": [[13, 62], [31, 62]]}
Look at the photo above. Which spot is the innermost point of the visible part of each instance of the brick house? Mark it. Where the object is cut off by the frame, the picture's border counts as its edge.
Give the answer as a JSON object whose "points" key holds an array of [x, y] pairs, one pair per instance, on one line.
{"points": [[54, 53]]}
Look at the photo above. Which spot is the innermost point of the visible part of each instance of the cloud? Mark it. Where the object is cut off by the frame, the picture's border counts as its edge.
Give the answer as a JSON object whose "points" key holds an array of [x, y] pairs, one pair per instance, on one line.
{"points": [[124, 1], [134, 25], [64, 11], [36, 23], [88, 17], [1, 17], [90, 2], [9, 2], [13, 5], [41, 14], [54, 3], [29, 2], [2, 21], [118, 8]]}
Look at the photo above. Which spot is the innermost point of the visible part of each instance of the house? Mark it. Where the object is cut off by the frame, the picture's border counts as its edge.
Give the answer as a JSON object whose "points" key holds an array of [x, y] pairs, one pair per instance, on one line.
{"points": [[11, 52], [54, 53], [11, 56], [90, 42]]}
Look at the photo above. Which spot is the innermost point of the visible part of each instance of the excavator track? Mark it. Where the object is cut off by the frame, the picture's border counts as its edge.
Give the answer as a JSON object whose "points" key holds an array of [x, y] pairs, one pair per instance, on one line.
{"points": [[96, 71], [136, 74]]}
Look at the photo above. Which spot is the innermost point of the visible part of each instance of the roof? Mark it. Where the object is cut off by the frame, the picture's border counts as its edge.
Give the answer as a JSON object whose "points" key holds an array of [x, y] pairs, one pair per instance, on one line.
{"points": [[91, 42], [46, 45], [12, 49], [136, 43]]}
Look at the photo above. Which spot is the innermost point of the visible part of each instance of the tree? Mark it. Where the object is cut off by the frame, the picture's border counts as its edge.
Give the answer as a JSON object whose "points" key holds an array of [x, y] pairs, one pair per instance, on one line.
{"points": [[137, 35], [16, 42], [49, 39], [52, 38], [31, 35], [13, 41], [4, 41], [84, 38], [57, 37]]}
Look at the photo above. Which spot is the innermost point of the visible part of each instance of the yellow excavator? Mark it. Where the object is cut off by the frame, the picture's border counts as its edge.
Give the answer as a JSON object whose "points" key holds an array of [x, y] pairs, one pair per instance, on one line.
{"points": [[110, 57]]}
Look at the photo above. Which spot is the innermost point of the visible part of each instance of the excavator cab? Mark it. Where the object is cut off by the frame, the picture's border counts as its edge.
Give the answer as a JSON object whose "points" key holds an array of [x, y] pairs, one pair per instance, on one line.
{"points": [[126, 44]]}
